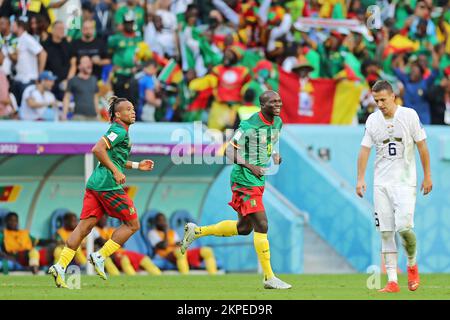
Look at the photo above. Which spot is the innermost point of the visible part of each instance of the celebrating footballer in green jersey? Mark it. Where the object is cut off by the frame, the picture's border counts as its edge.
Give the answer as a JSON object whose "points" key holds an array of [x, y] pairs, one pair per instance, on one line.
{"points": [[104, 192], [251, 150]]}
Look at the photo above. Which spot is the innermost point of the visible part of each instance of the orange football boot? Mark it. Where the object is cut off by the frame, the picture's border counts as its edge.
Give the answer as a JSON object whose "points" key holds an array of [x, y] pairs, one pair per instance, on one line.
{"points": [[390, 287], [413, 278]]}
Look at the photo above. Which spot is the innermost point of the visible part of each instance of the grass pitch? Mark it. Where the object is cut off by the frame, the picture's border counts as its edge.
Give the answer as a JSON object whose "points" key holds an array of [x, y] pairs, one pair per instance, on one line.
{"points": [[221, 287]]}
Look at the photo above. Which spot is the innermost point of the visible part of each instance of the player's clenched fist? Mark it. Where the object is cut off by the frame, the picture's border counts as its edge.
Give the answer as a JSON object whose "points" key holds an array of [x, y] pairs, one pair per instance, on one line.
{"points": [[146, 165]]}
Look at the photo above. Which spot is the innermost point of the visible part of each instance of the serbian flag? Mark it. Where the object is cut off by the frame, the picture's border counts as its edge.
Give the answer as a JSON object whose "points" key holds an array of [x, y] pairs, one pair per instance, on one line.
{"points": [[9, 193], [320, 101]]}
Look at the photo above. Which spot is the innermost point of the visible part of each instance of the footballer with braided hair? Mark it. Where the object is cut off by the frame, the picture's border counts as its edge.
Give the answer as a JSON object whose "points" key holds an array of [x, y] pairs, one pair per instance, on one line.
{"points": [[104, 192]]}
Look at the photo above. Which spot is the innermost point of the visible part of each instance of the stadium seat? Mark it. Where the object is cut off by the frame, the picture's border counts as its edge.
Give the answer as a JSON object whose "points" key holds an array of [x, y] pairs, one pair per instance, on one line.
{"points": [[113, 222], [3, 213], [56, 220], [178, 219]]}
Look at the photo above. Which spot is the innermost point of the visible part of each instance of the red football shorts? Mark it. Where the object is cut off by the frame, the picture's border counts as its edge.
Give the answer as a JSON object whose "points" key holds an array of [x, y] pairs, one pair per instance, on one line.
{"points": [[115, 203], [247, 200]]}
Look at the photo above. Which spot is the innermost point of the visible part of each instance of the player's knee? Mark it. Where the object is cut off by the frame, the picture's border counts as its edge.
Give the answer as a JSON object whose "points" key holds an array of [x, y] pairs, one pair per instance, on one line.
{"points": [[134, 225], [388, 241], [244, 230], [262, 226]]}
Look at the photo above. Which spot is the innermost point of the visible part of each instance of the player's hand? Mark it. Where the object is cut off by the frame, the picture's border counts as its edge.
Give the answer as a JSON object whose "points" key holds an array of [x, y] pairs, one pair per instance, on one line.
{"points": [[277, 158], [361, 188], [257, 171], [119, 177], [427, 186], [146, 165]]}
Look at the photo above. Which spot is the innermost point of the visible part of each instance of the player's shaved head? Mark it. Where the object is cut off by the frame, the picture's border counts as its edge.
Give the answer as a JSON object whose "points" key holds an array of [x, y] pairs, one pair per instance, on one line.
{"points": [[265, 96]]}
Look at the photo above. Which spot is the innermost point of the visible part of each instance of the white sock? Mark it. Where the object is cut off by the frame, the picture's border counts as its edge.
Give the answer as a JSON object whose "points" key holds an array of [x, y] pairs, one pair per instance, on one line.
{"points": [[412, 261], [390, 261]]}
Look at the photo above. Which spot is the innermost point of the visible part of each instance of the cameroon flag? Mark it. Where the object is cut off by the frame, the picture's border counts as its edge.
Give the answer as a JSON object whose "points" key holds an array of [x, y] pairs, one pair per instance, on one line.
{"points": [[9, 193], [319, 101], [171, 73]]}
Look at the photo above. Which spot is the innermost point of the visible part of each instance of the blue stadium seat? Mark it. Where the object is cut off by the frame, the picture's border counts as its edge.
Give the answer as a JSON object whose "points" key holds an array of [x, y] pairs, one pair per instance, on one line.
{"points": [[113, 222], [3, 213], [56, 220], [178, 219]]}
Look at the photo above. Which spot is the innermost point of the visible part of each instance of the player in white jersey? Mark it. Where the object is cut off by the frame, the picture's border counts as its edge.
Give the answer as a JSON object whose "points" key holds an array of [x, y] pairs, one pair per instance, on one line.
{"points": [[394, 130]]}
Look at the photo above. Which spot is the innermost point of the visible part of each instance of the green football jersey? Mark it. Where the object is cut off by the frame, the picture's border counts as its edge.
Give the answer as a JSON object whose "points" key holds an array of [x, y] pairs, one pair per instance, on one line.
{"points": [[255, 139], [123, 51], [119, 147]]}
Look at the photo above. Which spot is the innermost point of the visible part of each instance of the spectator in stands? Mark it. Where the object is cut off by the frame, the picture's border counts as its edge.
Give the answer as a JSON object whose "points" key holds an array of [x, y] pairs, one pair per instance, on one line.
{"points": [[87, 14], [247, 109], [91, 46], [416, 86], [103, 16], [123, 48], [166, 243], [58, 50], [148, 98], [7, 110], [8, 45], [439, 98], [128, 261], [161, 40], [133, 8], [38, 99], [19, 247], [31, 58], [227, 81], [70, 222], [84, 90]]}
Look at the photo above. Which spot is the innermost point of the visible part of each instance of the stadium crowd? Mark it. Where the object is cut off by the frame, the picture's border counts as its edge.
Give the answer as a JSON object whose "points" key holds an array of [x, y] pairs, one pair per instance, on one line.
{"points": [[208, 60]]}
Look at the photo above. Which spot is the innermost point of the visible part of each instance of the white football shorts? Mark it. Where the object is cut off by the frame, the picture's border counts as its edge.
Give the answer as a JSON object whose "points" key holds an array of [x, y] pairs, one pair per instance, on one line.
{"points": [[394, 207]]}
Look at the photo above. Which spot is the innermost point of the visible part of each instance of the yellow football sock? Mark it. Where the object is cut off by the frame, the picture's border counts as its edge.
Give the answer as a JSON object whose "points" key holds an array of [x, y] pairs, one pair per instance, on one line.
{"points": [[226, 228], [263, 251], [182, 262], [33, 258], [66, 257], [57, 253], [127, 268], [210, 261], [80, 257], [148, 265], [111, 267], [109, 248]]}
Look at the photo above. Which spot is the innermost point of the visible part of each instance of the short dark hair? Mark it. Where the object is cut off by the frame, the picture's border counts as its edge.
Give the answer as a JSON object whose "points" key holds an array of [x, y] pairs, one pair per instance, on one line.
{"points": [[113, 103], [381, 85], [264, 97], [10, 215], [68, 216]]}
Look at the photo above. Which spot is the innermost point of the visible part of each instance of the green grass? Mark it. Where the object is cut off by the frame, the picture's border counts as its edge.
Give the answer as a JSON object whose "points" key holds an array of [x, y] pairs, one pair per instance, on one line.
{"points": [[226, 287]]}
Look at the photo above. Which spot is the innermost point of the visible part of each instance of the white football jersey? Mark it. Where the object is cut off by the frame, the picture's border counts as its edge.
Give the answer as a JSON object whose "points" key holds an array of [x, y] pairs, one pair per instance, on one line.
{"points": [[394, 140]]}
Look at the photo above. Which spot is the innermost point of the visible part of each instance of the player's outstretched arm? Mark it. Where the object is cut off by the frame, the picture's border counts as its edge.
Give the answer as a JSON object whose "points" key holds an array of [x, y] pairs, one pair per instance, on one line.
{"points": [[144, 165], [363, 157], [427, 184], [99, 150]]}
